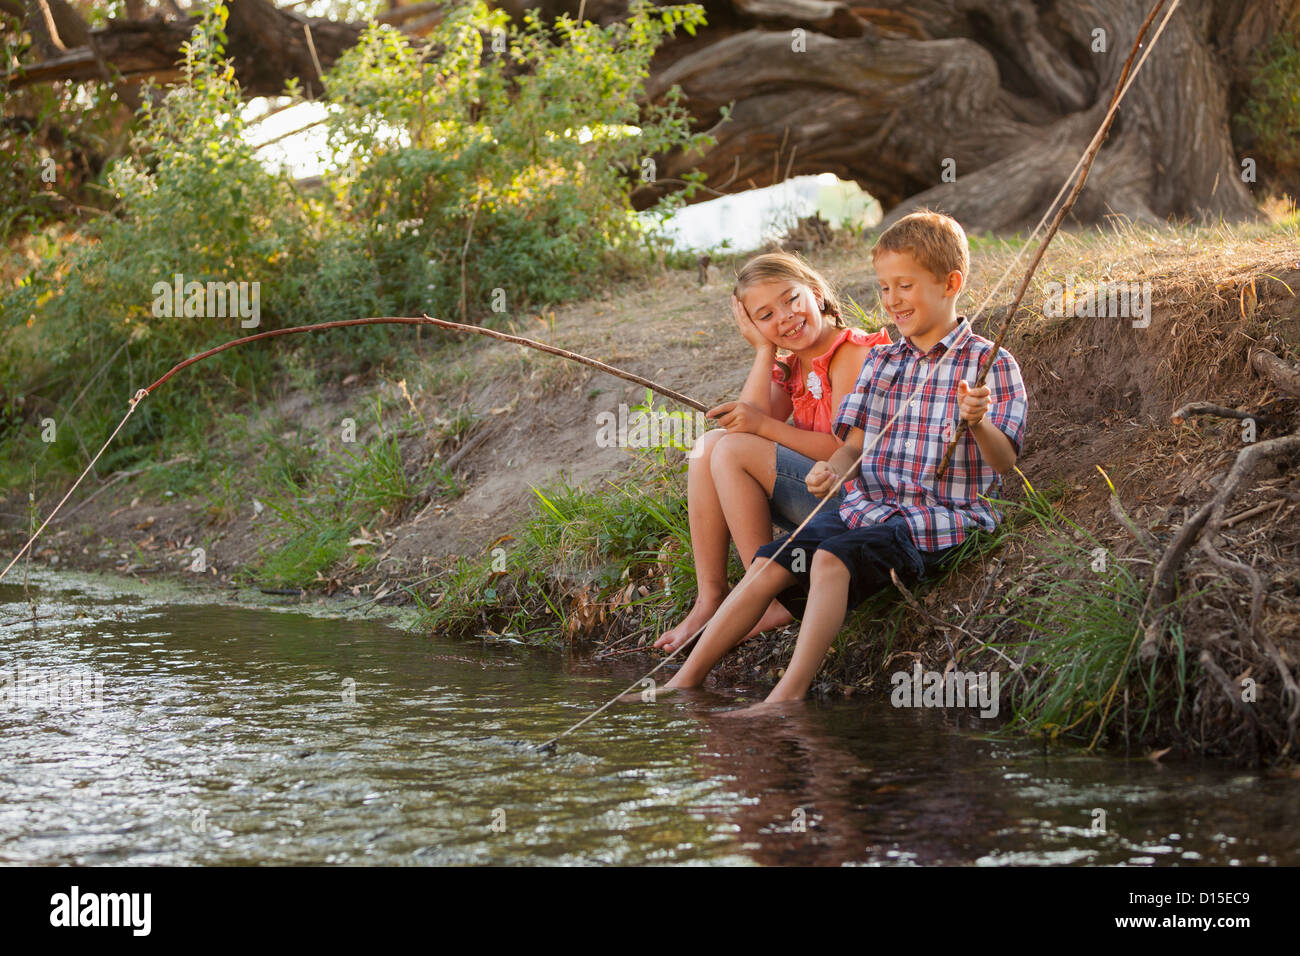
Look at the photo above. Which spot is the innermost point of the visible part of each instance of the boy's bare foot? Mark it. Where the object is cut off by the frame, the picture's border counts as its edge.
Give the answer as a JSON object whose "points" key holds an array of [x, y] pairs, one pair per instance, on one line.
{"points": [[775, 616], [639, 695], [661, 690], [705, 607], [767, 708]]}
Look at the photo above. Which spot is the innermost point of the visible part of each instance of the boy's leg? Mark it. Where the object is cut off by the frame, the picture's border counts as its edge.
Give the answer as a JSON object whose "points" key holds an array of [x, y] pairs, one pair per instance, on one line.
{"points": [[747, 471], [828, 597], [846, 568], [738, 613]]}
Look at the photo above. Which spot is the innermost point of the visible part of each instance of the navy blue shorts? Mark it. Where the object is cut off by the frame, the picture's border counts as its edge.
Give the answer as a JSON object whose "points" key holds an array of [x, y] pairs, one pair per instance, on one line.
{"points": [[869, 552]]}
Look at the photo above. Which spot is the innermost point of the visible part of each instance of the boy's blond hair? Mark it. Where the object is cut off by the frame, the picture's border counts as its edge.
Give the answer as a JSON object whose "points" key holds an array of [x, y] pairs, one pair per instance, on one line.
{"points": [[936, 241]]}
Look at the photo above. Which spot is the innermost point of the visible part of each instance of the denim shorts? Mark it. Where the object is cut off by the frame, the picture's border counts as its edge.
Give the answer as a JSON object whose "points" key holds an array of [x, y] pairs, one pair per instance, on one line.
{"points": [[791, 500], [869, 552]]}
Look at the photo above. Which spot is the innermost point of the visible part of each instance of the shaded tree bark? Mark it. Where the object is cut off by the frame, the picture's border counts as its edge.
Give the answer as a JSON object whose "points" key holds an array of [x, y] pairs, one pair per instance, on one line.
{"points": [[268, 46], [1001, 94]]}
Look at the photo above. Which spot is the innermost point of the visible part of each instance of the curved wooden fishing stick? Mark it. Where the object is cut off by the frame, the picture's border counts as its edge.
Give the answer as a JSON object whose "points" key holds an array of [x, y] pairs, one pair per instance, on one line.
{"points": [[1120, 88], [343, 323], [442, 324]]}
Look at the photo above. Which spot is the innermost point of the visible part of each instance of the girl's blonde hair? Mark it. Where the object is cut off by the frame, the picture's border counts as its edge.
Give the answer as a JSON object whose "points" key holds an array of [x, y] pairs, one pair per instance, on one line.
{"points": [[775, 266]]}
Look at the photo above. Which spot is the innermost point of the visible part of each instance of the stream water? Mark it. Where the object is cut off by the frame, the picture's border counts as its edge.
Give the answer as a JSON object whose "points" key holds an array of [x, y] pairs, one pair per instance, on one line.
{"points": [[154, 728]]}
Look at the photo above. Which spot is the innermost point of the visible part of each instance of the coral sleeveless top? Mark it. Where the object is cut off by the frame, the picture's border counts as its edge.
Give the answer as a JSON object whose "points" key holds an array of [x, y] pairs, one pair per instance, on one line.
{"points": [[810, 391]]}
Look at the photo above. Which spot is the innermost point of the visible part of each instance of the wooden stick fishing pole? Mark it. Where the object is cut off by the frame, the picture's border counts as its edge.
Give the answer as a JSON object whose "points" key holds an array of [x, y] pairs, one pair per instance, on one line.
{"points": [[1089, 156], [442, 324], [344, 323]]}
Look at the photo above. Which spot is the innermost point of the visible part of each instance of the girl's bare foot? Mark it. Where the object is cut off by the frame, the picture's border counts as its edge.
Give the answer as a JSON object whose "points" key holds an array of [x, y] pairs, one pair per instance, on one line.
{"points": [[706, 605], [775, 616]]}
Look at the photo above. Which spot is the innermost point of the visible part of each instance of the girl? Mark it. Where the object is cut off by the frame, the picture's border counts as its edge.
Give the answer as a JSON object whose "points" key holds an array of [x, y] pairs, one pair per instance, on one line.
{"points": [[751, 470]]}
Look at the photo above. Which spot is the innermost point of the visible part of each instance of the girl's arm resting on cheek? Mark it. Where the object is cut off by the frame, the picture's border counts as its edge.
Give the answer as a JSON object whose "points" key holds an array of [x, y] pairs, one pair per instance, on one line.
{"points": [[782, 406], [758, 384], [819, 446], [995, 446]]}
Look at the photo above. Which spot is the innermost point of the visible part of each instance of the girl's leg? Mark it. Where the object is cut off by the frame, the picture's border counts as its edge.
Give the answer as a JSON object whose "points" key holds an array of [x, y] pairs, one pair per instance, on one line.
{"points": [[710, 540], [744, 474], [744, 470], [828, 600], [743, 607]]}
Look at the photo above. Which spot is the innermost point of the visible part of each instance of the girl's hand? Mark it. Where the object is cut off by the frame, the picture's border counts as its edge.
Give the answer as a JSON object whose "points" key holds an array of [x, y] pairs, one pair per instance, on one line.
{"points": [[973, 402], [738, 417], [821, 479], [747, 327]]}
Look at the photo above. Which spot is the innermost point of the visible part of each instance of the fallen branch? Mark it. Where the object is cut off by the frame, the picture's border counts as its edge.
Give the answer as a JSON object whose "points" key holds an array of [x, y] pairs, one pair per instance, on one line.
{"points": [[1143, 537], [1289, 682], [1251, 512], [465, 449], [1283, 374], [1245, 570], [926, 616], [114, 479], [1208, 408], [984, 593]]}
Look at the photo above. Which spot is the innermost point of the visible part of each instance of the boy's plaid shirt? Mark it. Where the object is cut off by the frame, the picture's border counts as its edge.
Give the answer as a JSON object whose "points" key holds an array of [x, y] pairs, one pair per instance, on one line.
{"points": [[897, 475]]}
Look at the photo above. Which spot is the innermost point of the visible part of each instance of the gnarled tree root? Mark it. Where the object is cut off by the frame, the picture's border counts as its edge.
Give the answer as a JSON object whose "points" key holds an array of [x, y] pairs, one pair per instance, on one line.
{"points": [[1208, 521], [1208, 516]]}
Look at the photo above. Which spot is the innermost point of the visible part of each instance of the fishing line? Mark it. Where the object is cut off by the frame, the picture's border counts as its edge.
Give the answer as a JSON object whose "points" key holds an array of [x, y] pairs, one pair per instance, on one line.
{"points": [[130, 410], [1085, 162]]}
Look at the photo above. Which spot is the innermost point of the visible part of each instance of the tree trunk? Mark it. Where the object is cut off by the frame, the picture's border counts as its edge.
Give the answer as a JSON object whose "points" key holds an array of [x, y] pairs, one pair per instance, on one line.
{"points": [[976, 107]]}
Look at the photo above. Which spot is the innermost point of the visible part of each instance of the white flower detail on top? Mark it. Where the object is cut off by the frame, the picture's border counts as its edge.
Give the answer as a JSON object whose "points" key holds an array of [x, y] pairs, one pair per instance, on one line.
{"points": [[814, 385]]}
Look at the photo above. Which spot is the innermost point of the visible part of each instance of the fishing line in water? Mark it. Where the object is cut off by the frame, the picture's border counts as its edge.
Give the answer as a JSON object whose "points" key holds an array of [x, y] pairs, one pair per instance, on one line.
{"points": [[1081, 169]]}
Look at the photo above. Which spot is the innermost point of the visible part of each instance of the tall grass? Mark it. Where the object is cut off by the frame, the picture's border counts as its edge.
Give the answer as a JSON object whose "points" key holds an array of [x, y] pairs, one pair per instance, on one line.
{"points": [[1081, 607], [583, 558], [331, 508]]}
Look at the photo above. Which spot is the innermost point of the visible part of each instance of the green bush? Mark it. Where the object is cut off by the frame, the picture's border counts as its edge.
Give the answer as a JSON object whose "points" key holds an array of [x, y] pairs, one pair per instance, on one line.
{"points": [[486, 157], [192, 199], [1273, 110], [495, 157]]}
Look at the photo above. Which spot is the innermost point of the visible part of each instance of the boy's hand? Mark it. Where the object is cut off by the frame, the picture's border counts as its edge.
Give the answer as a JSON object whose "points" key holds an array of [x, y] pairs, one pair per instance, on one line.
{"points": [[821, 479], [747, 327], [973, 402], [738, 417]]}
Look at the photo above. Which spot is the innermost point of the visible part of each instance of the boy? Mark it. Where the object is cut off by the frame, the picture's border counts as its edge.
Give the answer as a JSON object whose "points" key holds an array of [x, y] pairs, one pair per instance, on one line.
{"points": [[894, 514]]}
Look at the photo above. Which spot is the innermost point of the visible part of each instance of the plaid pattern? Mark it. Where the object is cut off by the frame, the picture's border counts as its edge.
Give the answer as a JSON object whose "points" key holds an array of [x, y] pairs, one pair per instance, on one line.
{"points": [[897, 475]]}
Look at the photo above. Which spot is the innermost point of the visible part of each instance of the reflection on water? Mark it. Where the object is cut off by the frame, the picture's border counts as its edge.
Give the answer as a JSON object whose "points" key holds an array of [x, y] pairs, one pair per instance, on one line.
{"points": [[224, 734]]}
